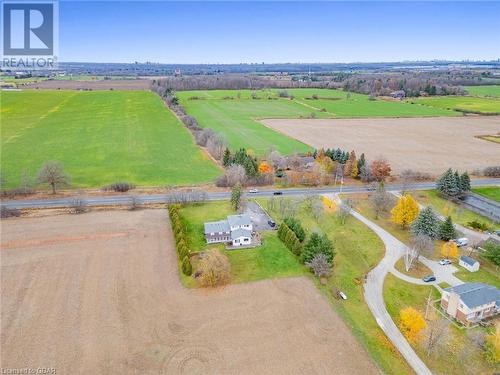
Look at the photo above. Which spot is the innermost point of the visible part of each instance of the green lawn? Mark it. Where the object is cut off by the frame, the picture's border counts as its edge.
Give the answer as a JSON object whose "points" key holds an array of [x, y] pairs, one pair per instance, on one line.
{"points": [[461, 103], [358, 250], [399, 294], [270, 260], [487, 274], [491, 90], [447, 208], [492, 192], [235, 115], [100, 137]]}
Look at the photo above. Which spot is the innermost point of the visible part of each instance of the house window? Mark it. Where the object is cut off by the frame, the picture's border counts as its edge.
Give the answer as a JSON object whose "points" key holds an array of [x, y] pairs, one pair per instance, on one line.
{"points": [[246, 240]]}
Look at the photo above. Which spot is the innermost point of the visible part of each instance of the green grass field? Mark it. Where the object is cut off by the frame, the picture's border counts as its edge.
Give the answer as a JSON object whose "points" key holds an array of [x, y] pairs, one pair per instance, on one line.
{"points": [[491, 90], [100, 137], [461, 103], [492, 192], [235, 114]]}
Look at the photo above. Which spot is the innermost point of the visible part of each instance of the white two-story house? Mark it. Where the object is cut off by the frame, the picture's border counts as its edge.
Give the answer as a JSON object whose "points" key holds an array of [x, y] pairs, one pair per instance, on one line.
{"points": [[236, 230]]}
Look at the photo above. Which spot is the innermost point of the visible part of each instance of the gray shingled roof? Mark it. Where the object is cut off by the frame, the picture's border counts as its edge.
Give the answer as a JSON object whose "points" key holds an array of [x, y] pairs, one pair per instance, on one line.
{"points": [[476, 294], [217, 226], [241, 233], [468, 260], [239, 220]]}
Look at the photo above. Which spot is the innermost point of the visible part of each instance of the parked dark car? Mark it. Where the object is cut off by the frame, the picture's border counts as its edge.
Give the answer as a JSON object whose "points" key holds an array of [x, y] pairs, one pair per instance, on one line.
{"points": [[278, 193], [429, 278], [271, 223]]}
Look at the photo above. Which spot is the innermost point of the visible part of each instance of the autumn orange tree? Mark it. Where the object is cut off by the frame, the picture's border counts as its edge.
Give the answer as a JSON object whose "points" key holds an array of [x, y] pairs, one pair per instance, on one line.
{"points": [[411, 323], [405, 211], [381, 169], [264, 167], [449, 250]]}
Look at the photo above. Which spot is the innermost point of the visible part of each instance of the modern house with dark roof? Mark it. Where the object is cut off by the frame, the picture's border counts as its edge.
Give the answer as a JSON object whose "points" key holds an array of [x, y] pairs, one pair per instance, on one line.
{"points": [[237, 230], [470, 264], [471, 302]]}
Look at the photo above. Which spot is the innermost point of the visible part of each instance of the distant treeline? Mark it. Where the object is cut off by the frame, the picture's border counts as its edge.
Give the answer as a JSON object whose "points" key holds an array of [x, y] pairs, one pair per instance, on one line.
{"points": [[427, 83]]}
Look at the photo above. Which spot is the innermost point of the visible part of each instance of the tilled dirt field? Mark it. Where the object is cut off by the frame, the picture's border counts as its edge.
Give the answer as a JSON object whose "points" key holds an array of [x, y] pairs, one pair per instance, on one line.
{"points": [[423, 144], [99, 293]]}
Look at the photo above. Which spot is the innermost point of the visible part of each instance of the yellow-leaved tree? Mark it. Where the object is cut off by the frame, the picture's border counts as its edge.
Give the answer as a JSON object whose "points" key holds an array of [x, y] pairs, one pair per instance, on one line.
{"points": [[411, 323], [405, 211], [449, 250]]}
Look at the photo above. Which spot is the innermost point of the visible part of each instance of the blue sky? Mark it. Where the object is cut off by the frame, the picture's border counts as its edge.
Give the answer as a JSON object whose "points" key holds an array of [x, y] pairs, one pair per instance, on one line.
{"points": [[255, 32]]}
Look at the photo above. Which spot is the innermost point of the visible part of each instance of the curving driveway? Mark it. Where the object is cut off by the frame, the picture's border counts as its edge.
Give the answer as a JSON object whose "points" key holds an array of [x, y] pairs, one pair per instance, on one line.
{"points": [[374, 288]]}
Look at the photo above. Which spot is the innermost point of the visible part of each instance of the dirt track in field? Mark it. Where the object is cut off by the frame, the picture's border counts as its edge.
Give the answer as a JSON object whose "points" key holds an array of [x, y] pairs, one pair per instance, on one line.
{"points": [[423, 144], [80, 298]]}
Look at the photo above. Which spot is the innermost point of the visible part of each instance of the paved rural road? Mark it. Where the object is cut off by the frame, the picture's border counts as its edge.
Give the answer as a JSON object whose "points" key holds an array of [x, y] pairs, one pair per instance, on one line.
{"points": [[160, 198], [374, 288]]}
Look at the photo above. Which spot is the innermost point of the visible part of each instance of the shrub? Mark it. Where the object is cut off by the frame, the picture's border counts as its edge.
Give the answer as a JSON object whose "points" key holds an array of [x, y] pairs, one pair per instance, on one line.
{"points": [[187, 268], [9, 212], [214, 268], [120, 187], [78, 206], [474, 224], [492, 171]]}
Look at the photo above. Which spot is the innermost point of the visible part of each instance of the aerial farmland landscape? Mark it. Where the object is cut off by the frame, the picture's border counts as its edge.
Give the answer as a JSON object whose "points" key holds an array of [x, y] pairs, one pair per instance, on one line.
{"points": [[236, 196]]}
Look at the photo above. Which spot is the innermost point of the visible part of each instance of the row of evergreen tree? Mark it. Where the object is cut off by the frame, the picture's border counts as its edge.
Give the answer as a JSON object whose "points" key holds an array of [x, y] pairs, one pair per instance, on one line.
{"points": [[180, 239], [335, 154], [288, 237], [241, 157], [427, 223], [452, 184], [293, 235]]}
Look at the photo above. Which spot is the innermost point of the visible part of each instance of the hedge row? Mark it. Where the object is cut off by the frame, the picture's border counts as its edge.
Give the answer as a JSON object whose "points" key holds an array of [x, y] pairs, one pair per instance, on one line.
{"points": [[180, 239], [288, 237]]}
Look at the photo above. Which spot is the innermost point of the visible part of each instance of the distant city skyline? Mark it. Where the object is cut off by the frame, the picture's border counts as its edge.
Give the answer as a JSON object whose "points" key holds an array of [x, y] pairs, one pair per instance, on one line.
{"points": [[278, 32]]}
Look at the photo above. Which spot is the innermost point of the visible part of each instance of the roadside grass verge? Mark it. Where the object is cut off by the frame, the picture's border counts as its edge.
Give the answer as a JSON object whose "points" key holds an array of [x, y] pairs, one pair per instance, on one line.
{"points": [[445, 207], [100, 137], [459, 355], [492, 192], [358, 250]]}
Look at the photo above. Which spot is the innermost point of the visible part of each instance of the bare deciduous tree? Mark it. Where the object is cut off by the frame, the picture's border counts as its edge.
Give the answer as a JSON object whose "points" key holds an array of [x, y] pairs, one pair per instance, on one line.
{"points": [[52, 173], [435, 334], [319, 265], [418, 244], [380, 200], [344, 209]]}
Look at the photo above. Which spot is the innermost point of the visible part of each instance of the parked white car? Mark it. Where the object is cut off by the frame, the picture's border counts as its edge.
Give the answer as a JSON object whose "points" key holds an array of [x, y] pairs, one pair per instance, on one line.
{"points": [[444, 262], [253, 191], [464, 241]]}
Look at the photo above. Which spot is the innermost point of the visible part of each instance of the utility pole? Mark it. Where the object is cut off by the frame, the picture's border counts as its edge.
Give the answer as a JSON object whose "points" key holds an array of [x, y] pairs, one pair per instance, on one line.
{"points": [[428, 305]]}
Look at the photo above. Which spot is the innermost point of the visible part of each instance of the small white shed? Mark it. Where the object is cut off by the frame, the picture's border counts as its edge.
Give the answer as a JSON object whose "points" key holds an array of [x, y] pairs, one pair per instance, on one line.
{"points": [[469, 263]]}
